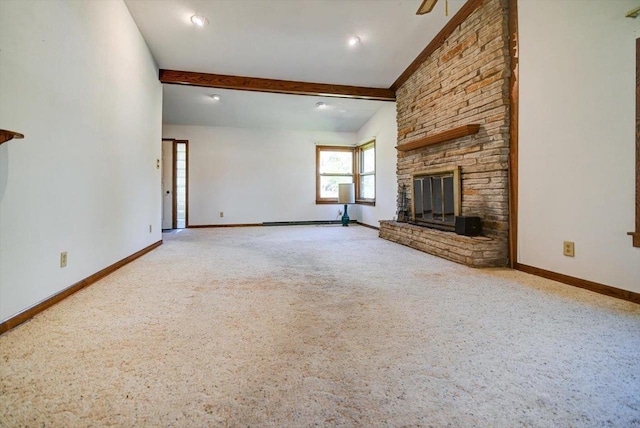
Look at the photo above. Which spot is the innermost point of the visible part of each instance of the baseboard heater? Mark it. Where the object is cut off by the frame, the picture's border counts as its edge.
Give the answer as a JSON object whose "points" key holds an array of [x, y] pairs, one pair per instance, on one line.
{"points": [[304, 223]]}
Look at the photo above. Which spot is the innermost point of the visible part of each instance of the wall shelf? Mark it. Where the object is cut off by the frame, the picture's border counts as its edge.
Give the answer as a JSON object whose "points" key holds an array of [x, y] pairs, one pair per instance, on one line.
{"points": [[451, 134], [6, 135]]}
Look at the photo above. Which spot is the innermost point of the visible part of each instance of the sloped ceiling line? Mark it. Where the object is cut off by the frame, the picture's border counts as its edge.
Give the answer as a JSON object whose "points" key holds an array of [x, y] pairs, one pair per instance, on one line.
{"points": [[321, 89], [437, 41]]}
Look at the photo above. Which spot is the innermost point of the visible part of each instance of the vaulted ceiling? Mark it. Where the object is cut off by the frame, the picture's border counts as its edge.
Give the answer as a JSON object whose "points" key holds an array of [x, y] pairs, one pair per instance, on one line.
{"points": [[295, 40]]}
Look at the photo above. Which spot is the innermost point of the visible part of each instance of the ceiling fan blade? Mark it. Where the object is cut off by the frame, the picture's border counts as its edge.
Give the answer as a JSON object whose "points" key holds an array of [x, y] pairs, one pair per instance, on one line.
{"points": [[426, 7]]}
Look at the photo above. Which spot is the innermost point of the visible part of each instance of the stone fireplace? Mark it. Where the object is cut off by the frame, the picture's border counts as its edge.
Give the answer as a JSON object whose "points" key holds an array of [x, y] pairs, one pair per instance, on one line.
{"points": [[453, 135]]}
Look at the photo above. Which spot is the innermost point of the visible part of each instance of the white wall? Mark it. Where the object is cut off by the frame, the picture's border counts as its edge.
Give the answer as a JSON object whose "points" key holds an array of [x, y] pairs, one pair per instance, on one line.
{"points": [[577, 138], [78, 80], [254, 176], [384, 127]]}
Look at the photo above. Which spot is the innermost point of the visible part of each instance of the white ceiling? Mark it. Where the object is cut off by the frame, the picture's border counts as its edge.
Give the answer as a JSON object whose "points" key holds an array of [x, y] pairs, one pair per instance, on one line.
{"points": [[190, 105], [301, 40]]}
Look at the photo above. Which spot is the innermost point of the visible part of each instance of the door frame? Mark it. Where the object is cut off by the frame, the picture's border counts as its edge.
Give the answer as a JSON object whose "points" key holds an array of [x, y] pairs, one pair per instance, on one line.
{"points": [[174, 198], [186, 184]]}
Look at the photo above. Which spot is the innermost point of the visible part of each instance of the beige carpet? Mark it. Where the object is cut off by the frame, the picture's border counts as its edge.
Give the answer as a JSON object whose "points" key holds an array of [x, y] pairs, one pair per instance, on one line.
{"points": [[321, 326]]}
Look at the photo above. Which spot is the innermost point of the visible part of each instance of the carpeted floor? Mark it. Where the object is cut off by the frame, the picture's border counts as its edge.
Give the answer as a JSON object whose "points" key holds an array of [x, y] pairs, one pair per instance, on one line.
{"points": [[321, 326]]}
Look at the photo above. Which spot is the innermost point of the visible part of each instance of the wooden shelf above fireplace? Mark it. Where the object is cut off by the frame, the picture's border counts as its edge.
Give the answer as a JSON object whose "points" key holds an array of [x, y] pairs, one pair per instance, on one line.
{"points": [[451, 134], [9, 135]]}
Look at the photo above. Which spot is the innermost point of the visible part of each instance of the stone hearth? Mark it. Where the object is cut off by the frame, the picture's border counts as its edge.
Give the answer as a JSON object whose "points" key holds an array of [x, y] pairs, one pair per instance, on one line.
{"points": [[476, 251]]}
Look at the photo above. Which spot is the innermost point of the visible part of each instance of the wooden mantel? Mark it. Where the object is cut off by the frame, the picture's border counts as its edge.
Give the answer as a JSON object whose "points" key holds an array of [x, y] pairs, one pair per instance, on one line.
{"points": [[451, 134], [6, 135]]}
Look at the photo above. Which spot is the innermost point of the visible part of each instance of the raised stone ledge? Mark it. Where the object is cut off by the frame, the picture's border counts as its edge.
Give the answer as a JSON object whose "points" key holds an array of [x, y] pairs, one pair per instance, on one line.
{"points": [[474, 251]]}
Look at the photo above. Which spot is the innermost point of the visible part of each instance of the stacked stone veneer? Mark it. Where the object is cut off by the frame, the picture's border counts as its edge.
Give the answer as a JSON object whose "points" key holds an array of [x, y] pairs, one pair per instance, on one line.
{"points": [[465, 81]]}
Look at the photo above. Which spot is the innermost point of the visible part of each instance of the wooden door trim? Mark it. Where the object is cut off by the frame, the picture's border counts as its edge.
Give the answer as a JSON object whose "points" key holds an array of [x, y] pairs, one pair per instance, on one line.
{"points": [[513, 132], [186, 183], [636, 233], [174, 200], [173, 141]]}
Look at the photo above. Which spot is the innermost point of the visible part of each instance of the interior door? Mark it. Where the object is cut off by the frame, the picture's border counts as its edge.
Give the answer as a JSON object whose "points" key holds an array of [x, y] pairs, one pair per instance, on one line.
{"points": [[167, 184]]}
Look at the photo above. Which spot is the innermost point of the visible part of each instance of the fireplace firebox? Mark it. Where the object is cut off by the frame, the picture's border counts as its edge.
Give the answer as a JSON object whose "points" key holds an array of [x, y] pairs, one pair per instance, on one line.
{"points": [[435, 198]]}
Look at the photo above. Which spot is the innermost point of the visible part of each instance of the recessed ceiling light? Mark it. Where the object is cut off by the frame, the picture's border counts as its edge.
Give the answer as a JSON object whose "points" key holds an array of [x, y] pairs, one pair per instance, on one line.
{"points": [[215, 97], [354, 40], [200, 20], [321, 105]]}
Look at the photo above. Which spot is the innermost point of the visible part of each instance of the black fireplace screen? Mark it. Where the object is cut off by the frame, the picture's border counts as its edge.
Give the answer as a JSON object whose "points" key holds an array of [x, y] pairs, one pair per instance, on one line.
{"points": [[434, 199]]}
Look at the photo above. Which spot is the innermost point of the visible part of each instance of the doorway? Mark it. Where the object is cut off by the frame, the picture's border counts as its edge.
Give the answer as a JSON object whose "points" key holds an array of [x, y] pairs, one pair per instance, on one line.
{"points": [[175, 182]]}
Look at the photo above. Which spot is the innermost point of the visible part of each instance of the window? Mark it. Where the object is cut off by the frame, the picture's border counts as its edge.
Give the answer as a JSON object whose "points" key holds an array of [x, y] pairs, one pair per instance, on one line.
{"points": [[334, 165], [366, 173], [340, 164]]}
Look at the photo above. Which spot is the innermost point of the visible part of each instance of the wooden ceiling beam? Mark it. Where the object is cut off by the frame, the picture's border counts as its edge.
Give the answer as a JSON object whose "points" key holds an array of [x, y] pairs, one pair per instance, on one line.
{"points": [[275, 86]]}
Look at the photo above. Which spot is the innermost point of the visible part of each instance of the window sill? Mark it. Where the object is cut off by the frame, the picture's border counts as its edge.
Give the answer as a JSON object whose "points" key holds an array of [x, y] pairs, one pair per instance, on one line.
{"points": [[335, 202]]}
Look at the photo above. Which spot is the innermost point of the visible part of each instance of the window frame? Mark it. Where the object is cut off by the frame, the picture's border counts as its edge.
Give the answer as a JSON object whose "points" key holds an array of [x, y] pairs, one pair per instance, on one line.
{"points": [[320, 149], [359, 156], [356, 171]]}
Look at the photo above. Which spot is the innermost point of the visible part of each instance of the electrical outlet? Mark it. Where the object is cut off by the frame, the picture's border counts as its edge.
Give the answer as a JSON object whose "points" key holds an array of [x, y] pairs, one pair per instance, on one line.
{"points": [[221, 214], [150, 228], [569, 249], [63, 259]]}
